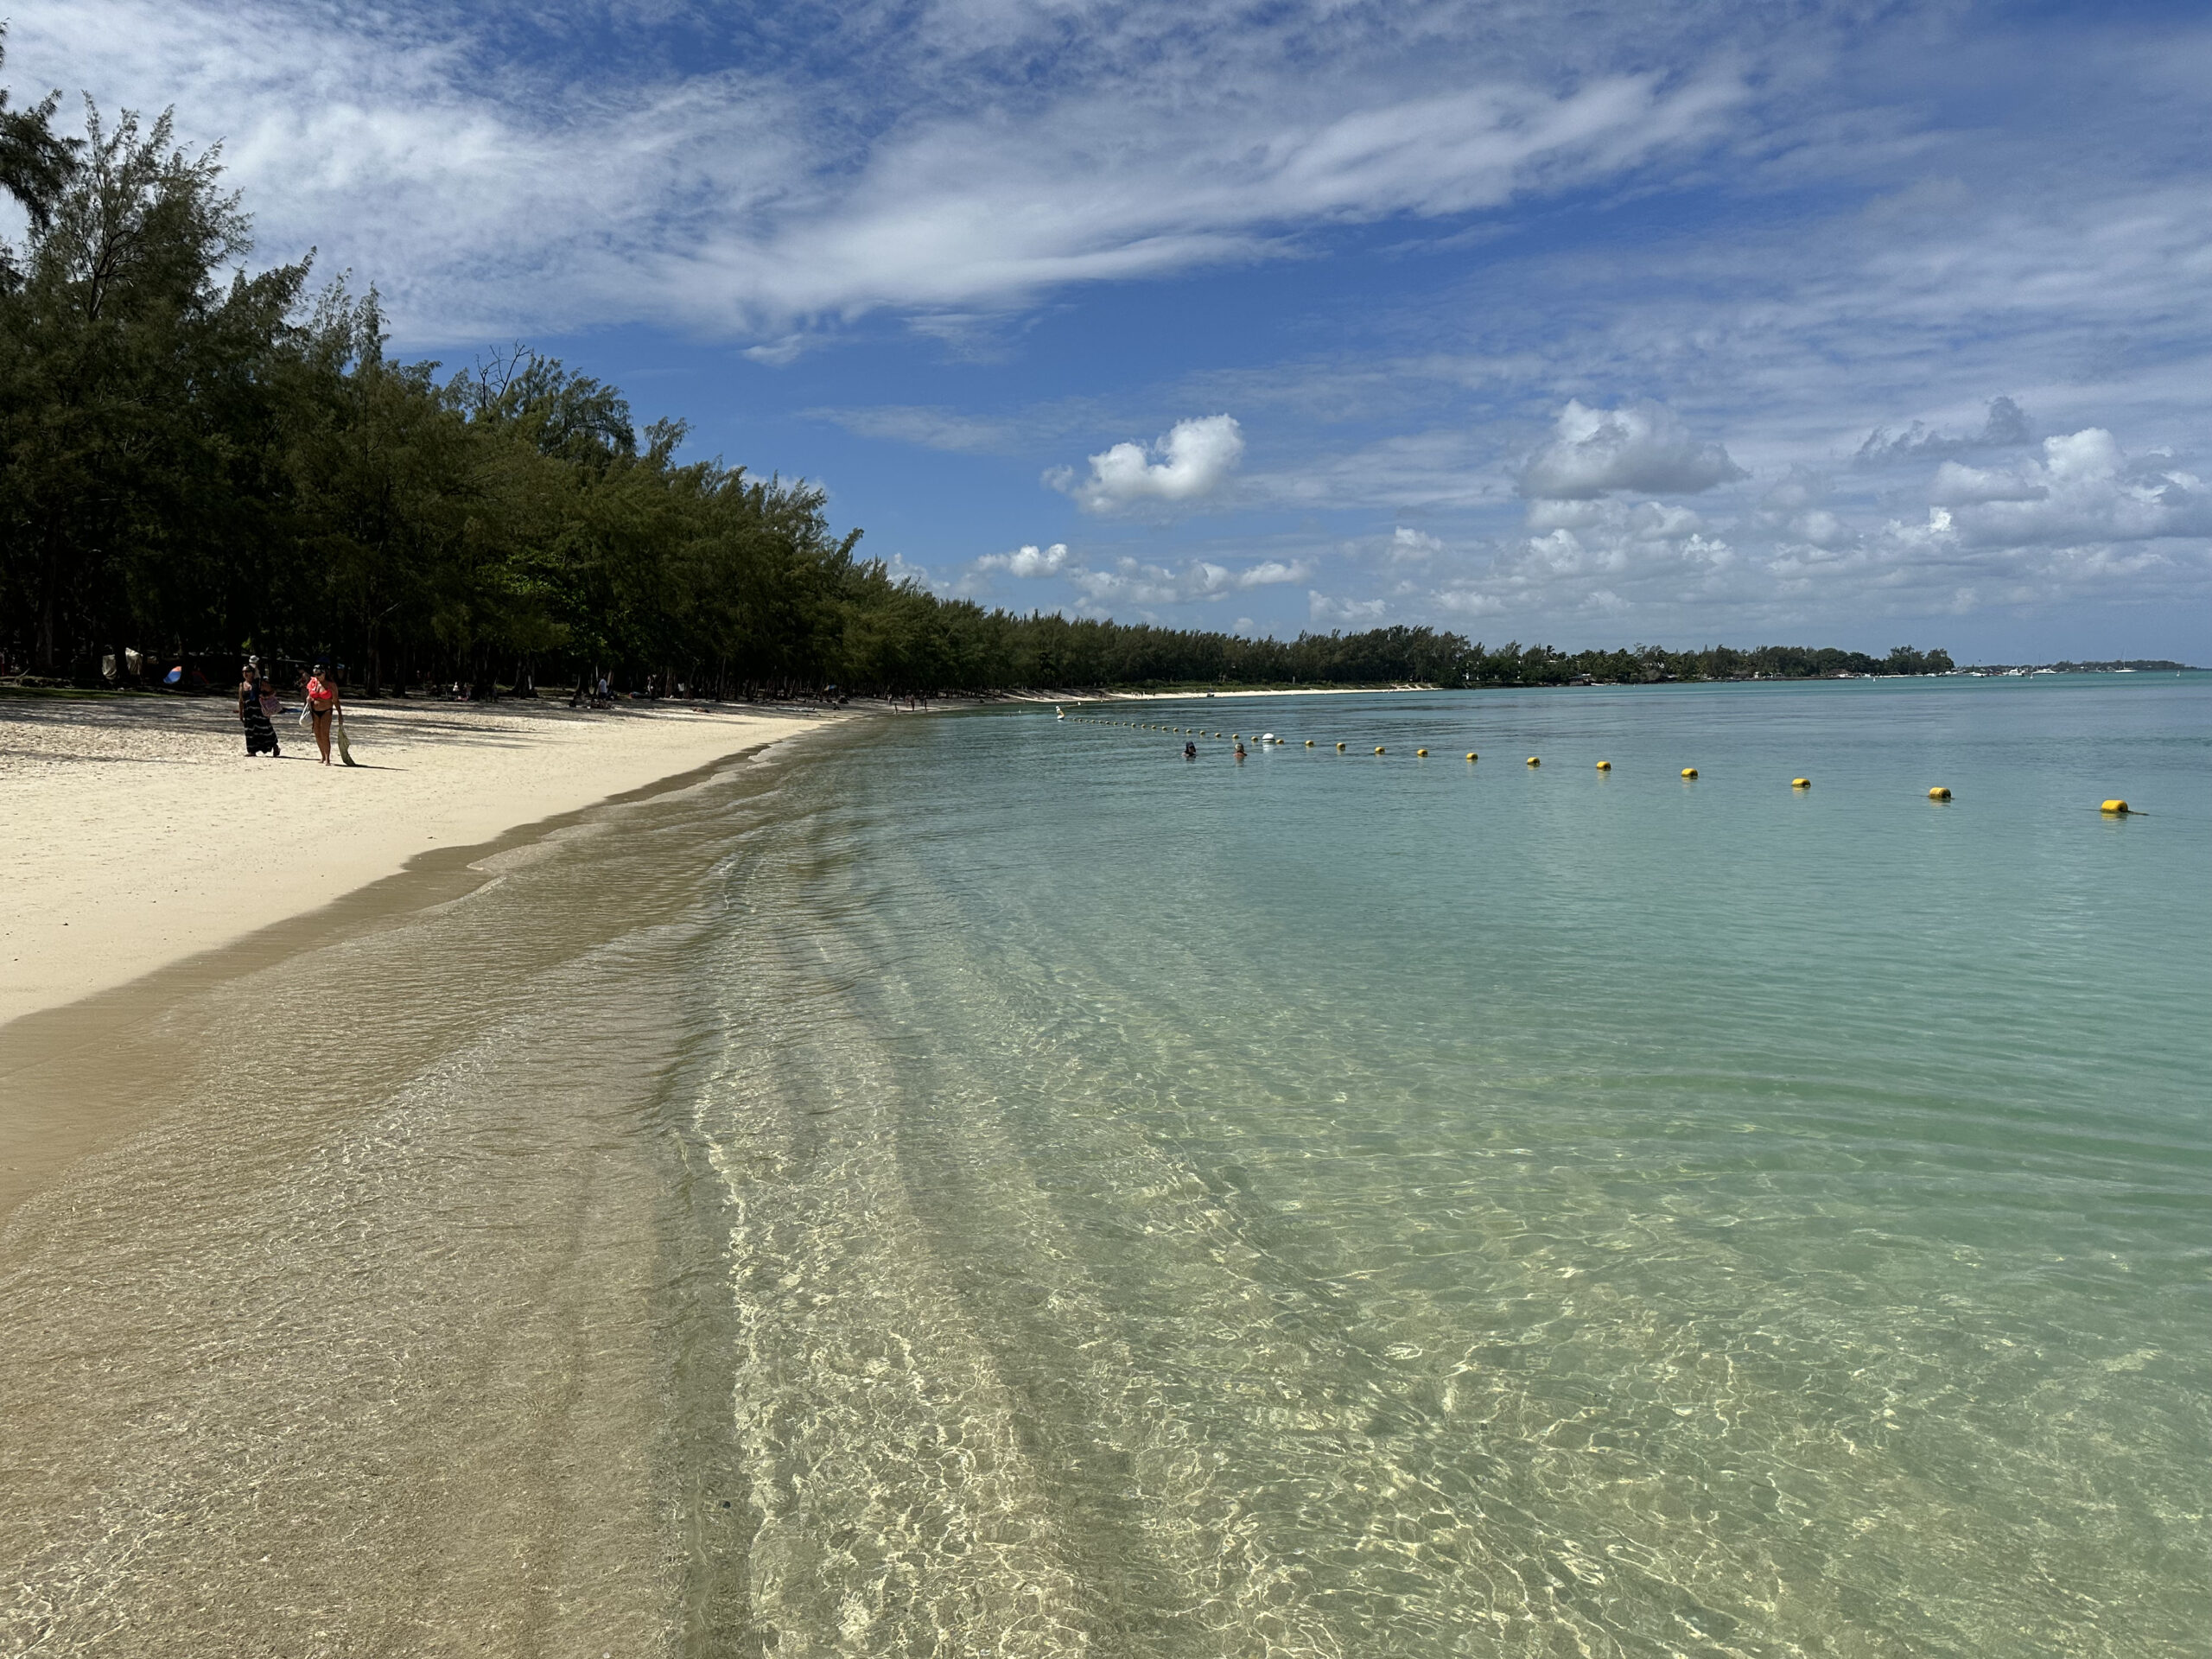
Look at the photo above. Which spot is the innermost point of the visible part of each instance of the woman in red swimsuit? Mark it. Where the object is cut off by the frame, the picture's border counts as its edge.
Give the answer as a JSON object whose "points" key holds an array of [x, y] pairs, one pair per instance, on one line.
{"points": [[322, 701]]}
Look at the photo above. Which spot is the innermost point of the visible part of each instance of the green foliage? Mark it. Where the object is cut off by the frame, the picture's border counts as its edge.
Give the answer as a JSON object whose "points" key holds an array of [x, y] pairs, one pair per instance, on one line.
{"points": [[35, 163], [196, 463]]}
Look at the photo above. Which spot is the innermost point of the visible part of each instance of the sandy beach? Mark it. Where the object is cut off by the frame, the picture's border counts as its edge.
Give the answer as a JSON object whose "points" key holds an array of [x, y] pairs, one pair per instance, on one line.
{"points": [[137, 833], [342, 1208]]}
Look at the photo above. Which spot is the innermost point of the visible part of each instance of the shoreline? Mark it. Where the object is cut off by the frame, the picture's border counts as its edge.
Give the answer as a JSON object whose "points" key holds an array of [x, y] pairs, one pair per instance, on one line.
{"points": [[384, 1209], [140, 836], [128, 1024]]}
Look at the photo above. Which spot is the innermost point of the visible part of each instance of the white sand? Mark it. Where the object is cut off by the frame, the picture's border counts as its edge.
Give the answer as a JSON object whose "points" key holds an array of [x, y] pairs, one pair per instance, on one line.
{"points": [[136, 832]]}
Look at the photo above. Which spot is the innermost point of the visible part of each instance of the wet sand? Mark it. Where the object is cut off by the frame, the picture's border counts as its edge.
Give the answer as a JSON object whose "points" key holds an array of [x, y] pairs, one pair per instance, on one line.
{"points": [[354, 1300]]}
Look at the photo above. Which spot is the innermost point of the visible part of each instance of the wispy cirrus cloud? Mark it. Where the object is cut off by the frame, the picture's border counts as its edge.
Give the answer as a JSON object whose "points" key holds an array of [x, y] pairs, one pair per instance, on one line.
{"points": [[482, 182], [929, 427]]}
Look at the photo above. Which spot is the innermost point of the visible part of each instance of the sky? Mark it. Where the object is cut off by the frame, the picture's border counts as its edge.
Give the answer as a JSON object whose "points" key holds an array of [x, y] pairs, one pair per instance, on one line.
{"points": [[1729, 320]]}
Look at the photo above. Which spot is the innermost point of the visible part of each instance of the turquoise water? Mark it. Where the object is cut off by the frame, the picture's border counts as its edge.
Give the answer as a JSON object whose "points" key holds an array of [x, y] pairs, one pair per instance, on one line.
{"points": [[1336, 1204]]}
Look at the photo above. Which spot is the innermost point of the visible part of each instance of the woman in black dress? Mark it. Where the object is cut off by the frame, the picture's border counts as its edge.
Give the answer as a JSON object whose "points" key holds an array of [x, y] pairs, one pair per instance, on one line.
{"points": [[260, 735]]}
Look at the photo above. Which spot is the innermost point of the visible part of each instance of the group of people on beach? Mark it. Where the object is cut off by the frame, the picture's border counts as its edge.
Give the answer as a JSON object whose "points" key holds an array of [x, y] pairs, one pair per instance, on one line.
{"points": [[259, 704]]}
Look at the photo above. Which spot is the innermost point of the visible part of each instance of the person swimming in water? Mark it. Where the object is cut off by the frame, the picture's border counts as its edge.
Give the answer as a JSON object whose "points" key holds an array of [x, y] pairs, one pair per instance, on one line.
{"points": [[1190, 750], [1240, 751]]}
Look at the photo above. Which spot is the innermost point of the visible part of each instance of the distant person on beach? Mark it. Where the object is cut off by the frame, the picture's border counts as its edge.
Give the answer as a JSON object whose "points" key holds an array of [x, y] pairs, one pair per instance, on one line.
{"points": [[260, 735], [322, 702]]}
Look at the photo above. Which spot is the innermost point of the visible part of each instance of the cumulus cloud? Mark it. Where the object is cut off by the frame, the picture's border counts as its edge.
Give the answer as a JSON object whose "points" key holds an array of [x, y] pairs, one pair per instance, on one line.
{"points": [[1954, 486], [1331, 610], [912, 576], [1191, 462], [2006, 426], [1027, 562], [1642, 447], [2083, 490]]}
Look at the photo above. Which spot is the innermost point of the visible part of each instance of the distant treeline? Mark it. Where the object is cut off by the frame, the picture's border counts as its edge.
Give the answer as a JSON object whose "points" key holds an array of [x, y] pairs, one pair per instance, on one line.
{"points": [[1049, 650], [2125, 665], [195, 464]]}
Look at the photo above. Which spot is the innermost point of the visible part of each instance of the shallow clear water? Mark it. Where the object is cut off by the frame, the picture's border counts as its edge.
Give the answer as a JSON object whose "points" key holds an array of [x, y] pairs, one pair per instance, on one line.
{"points": [[1343, 1204], [982, 1184]]}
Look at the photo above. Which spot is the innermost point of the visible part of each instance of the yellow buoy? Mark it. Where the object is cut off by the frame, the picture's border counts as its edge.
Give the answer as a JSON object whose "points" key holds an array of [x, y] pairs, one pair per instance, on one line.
{"points": [[1340, 748], [2118, 809], [1800, 783], [1939, 793], [1416, 751], [1470, 754], [1309, 742], [1689, 772], [1534, 761], [1378, 748], [1605, 765]]}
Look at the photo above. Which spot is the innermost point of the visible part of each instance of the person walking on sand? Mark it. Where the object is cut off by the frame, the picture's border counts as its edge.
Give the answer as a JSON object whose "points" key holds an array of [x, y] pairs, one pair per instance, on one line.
{"points": [[323, 703], [260, 735]]}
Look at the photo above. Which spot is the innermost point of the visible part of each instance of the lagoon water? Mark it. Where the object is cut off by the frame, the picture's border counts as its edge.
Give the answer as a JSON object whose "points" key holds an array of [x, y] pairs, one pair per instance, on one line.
{"points": [[983, 1184], [1343, 1204]]}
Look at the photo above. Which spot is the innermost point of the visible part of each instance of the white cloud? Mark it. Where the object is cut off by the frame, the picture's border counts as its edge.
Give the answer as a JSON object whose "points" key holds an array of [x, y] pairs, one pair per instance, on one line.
{"points": [[1647, 521], [1328, 610], [2006, 424], [480, 186], [1638, 447], [2084, 490], [906, 575], [1027, 562], [1139, 582], [1957, 487], [1194, 459], [930, 426]]}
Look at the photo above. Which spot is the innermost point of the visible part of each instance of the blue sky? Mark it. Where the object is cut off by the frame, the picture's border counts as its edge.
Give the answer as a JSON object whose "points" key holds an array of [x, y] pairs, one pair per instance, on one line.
{"points": [[1858, 324]]}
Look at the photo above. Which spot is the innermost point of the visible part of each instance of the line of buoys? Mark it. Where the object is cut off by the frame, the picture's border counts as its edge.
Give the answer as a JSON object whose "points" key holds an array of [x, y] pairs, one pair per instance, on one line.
{"points": [[2114, 808]]}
